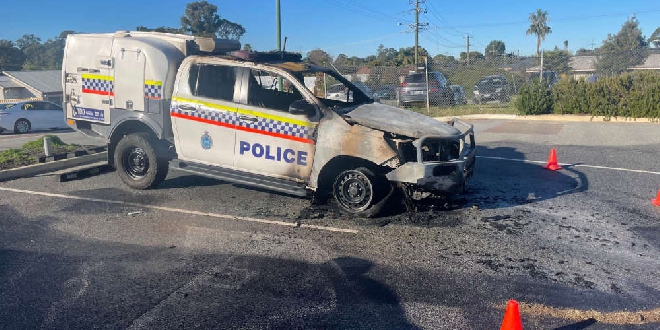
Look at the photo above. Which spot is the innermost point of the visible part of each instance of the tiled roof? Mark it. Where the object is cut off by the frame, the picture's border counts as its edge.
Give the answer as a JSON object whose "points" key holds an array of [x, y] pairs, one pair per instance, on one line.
{"points": [[6, 82], [48, 81], [586, 63], [652, 62]]}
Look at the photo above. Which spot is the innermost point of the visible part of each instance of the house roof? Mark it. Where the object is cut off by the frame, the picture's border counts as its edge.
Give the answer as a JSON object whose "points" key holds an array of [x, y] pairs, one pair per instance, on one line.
{"points": [[652, 62], [6, 82], [48, 81], [583, 63]]}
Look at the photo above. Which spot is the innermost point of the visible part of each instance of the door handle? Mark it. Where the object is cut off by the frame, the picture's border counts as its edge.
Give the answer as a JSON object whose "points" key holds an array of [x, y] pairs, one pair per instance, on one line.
{"points": [[248, 118], [187, 107]]}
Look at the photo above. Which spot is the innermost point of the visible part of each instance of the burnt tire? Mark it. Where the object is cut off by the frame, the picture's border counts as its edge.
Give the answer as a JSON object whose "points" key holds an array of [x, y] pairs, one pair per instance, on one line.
{"points": [[361, 192], [137, 162], [22, 126]]}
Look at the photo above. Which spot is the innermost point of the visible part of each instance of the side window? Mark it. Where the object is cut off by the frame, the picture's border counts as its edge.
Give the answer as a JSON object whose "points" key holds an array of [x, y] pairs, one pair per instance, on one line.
{"points": [[213, 81], [264, 90], [29, 106]]}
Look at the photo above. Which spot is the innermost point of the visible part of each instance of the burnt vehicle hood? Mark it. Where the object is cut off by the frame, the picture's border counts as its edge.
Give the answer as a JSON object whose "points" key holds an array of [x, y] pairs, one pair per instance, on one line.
{"points": [[399, 121]]}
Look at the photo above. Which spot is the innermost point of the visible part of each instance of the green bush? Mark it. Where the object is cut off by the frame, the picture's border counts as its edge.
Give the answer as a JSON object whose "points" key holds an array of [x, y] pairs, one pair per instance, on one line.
{"points": [[569, 96], [629, 95], [535, 98]]}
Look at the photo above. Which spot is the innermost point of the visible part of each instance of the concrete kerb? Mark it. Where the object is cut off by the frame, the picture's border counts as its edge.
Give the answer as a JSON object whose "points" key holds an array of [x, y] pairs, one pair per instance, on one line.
{"points": [[42, 168], [564, 118]]}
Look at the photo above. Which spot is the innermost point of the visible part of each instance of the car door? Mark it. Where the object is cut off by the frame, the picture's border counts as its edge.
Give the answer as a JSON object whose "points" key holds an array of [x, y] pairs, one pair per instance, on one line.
{"points": [[54, 115], [203, 113], [35, 113], [269, 139]]}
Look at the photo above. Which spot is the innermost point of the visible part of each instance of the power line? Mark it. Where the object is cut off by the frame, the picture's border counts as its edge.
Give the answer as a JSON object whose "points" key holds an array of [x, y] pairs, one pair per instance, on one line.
{"points": [[565, 19]]}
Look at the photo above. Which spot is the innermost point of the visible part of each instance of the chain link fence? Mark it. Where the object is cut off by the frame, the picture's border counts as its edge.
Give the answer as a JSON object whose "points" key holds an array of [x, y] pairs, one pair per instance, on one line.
{"points": [[498, 82]]}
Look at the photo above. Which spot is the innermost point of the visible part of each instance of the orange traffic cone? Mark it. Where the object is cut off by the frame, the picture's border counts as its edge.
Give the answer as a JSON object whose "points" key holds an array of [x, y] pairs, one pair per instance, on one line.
{"points": [[511, 317], [656, 201], [552, 161]]}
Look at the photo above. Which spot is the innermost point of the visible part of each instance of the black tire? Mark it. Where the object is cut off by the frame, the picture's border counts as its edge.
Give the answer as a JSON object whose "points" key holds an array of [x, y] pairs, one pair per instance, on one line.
{"points": [[360, 192], [138, 163], [22, 126]]}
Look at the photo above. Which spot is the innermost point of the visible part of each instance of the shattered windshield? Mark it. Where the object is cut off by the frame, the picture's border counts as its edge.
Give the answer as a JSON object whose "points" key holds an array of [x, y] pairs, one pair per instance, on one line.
{"points": [[336, 91]]}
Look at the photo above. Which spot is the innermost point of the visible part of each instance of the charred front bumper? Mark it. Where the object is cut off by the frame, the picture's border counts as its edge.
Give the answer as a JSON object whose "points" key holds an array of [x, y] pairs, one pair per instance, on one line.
{"points": [[436, 164]]}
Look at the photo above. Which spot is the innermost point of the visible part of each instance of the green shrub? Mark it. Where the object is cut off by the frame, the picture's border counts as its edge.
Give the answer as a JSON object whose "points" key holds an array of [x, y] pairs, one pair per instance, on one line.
{"points": [[535, 98], [570, 97]]}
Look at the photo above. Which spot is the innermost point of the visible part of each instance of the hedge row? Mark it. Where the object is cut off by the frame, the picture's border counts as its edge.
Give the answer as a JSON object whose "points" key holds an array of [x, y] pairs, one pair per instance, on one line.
{"points": [[630, 95]]}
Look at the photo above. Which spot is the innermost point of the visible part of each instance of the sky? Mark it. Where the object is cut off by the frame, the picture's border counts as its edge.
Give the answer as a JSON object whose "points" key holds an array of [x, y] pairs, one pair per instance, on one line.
{"points": [[351, 27]]}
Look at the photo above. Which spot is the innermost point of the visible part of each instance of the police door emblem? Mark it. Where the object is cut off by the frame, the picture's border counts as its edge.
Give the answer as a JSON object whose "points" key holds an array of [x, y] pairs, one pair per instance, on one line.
{"points": [[207, 142]]}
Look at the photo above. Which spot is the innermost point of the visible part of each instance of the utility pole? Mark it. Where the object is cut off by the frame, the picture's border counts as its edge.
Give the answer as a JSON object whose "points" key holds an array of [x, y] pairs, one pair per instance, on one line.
{"points": [[416, 30], [279, 38], [416, 26], [467, 38]]}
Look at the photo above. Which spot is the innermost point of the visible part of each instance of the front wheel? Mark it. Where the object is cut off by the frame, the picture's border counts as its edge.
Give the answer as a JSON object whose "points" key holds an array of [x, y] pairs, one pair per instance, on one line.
{"points": [[22, 126], [360, 192], [137, 162]]}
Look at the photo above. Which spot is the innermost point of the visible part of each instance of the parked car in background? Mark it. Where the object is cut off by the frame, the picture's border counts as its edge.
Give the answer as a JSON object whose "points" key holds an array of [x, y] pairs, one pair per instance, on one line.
{"points": [[459, 94], [413, 90], [385, 92], [492, 88], [339, 91], [22, 117]]}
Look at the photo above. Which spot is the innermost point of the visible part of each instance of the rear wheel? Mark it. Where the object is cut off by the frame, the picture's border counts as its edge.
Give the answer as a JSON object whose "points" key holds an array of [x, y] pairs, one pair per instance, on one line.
{"points": [[22, 126], [138, 163], [361, 192]]}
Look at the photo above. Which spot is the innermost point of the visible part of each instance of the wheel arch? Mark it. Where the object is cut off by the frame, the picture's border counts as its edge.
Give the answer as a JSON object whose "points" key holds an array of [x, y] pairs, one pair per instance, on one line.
{"points": [[132, 127], [338, 164]]}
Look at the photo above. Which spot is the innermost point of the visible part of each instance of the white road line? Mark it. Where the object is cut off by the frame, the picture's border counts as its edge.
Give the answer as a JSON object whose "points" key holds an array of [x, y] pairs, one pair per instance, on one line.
{"points": [[573, 165], [176, 210]]}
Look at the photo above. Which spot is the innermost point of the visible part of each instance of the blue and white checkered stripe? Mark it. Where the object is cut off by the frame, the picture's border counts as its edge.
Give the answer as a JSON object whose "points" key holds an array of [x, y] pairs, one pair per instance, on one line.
{"points": [[263, 124], [98, 85], [153, 91]]}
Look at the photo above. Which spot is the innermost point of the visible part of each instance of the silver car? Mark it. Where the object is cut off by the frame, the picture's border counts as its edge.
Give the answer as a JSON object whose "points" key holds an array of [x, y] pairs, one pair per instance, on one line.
{"points": [[22, 117]]}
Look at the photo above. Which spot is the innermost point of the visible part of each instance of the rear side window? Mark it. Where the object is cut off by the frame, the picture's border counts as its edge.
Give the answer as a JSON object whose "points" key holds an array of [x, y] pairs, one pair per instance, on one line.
{"points": [[418, 78], [213, 81], [415, 78]]}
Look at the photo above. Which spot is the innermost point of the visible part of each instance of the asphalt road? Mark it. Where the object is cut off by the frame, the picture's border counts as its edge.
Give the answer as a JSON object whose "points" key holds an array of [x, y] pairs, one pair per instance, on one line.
{"points": [[578, 248]]}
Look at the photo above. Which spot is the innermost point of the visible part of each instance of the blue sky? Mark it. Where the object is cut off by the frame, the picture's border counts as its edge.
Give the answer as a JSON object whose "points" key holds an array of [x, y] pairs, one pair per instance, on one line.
{"points": [[352, 27]]}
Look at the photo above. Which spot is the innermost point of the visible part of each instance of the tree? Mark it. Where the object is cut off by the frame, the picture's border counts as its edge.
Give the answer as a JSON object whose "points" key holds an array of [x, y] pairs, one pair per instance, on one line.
{"points": [[27, 40], [247, 47], [565, 44], [655, 38], [201, 19], [473, 56], [539, 27], [11, 58], [623, 50], [495, 48], [556, 60], [584, 51], [318, 57], [444, 60]]}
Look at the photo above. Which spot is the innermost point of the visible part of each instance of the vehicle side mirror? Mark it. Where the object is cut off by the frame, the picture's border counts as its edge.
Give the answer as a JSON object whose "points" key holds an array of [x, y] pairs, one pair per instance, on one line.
{"points": [[302, 107]]}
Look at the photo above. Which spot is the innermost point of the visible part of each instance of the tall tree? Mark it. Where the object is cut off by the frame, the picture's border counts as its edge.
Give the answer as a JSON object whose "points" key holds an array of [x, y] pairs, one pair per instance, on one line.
{"points": [[623, 50], [318, 57], [11, 58], [201, 19], [557, 60], [27, 40], [655, 38], [539, 27], [495, 48]]}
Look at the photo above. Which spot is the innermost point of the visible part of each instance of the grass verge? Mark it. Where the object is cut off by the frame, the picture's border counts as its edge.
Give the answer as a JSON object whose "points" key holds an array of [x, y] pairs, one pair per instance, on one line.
{"points": [[468, 109], [30, 152]]}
